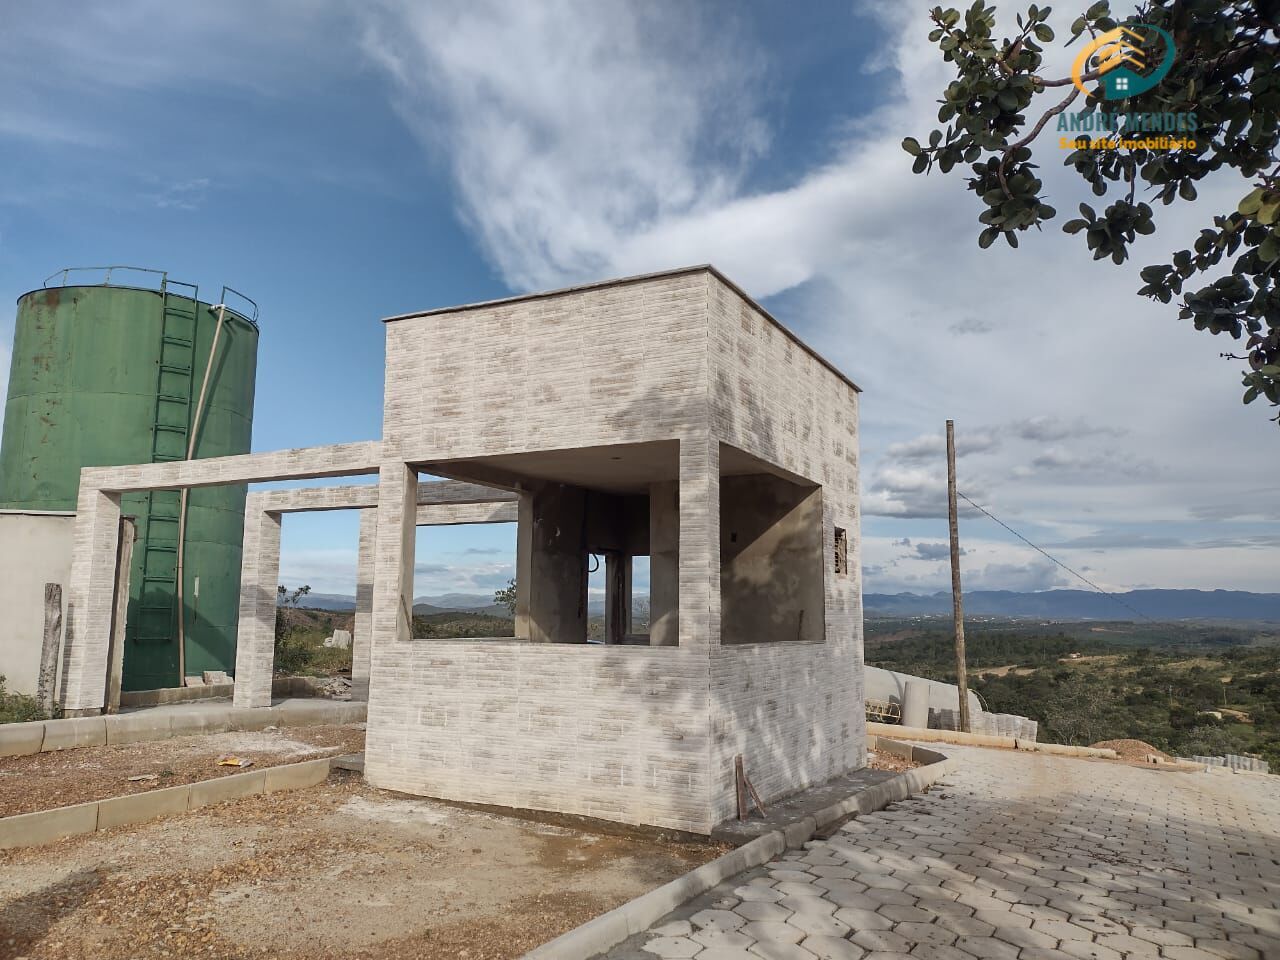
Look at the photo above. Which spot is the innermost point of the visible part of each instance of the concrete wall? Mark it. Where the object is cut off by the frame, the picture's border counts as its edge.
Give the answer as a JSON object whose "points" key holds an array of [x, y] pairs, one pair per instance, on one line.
{"points": [[35, 549], [890, 685], [615, 732], [640, 734], [771, 561], [793, 710]]}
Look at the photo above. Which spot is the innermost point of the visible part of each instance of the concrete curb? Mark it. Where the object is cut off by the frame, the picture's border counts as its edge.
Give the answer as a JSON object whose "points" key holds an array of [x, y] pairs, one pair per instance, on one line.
{"points": [[985, 740], [43, 736], [45, 826], [610, 929]]}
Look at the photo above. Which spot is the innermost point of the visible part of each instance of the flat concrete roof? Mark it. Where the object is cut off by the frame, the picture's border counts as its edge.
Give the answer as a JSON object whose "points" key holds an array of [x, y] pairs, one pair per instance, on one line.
{"points": [[640, 278]]}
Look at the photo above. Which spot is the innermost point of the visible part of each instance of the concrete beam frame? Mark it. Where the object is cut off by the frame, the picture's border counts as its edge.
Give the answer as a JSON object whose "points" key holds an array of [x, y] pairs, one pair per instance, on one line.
{"points": [[441, 503], [92, 582]]}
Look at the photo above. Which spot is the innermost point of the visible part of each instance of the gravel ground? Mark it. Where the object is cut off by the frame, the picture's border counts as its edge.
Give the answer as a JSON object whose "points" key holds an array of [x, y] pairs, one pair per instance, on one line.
{"points": [[61, 778], [885, 761], [335, 871]]}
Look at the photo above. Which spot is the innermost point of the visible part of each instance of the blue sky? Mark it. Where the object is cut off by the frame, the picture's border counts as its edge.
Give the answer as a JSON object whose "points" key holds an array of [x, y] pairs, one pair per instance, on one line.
{"points": [[344, 162]]}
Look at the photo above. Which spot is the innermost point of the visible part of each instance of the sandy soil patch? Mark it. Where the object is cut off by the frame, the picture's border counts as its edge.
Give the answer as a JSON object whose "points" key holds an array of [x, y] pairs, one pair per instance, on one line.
{"points": [[338, 870], [65, 777], [885, 761], [1132, 751]]}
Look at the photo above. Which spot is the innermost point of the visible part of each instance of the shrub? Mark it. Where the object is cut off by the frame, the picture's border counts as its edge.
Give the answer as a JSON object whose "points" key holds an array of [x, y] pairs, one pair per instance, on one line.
{"points": [[18, 707]]}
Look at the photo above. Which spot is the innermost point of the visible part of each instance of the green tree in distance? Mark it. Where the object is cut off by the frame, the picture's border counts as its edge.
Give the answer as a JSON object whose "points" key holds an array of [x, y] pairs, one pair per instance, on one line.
{"points": [[1225, 72], [507, 597]]}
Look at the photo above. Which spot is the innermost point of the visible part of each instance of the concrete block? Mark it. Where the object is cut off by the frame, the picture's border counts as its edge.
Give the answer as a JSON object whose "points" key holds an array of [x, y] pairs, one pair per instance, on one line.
{"points": [[795, 834], [341, 640], [305, 774], [21, 739], [135, 808], [915, 704], [222, 789], [74, 732], [137, 727], [593, 937], [45, 826]]}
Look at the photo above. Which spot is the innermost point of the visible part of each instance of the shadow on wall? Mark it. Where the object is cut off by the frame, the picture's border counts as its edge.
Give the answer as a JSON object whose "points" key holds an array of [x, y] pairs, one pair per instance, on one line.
{"points": [[771, 561], [772, 582]]}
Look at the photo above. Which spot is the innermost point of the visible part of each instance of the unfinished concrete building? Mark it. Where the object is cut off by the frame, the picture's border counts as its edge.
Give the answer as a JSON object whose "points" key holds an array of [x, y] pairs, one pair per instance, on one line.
{"points": [[665, 416]]}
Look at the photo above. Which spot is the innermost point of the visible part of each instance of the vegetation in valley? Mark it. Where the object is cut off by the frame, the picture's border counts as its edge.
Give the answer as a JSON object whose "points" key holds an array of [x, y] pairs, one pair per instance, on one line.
{"points": [[1187, 689]]}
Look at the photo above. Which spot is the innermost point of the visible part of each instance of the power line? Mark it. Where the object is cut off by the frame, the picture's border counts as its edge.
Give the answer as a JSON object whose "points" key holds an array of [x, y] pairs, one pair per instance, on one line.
{"points": [[1079, 576]]}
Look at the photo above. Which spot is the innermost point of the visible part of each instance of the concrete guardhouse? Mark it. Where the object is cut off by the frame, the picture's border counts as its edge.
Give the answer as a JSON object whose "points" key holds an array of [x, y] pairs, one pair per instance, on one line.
{"points": [[666, 416]]}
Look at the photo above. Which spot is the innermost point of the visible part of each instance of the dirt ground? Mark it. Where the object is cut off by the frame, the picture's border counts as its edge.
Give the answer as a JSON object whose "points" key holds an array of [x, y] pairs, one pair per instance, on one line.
{"points": [[885, 761], [65, 777], [337, 870]]}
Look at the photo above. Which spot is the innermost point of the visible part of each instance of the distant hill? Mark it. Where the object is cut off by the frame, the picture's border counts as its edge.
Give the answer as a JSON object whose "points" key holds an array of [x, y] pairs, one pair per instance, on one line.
{"points": [[327, 601], [1083, 604], [1048, 604]]}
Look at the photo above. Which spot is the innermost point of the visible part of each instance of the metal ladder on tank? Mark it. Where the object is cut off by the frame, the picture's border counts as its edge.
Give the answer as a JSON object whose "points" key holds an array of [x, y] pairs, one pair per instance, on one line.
{"points": [[175, 380]]}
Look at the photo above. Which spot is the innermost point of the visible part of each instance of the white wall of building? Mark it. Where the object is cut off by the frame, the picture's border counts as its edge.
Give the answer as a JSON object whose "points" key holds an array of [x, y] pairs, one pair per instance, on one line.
{"points": [[35, 549]]}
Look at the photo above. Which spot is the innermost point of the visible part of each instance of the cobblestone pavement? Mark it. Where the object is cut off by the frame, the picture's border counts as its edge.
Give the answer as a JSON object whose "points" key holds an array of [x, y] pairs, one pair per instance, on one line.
{"points": [[1013, 857]]}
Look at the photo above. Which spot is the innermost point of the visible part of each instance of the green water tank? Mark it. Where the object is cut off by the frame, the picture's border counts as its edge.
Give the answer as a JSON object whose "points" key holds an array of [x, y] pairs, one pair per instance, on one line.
{"points": [[106, 374]]}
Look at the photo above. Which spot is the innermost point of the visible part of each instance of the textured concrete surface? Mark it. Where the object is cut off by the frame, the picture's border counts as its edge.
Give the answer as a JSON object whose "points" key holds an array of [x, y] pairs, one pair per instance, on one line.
{"points": [[37, 550], [90, 594], [635, 734], [1025, 857]]}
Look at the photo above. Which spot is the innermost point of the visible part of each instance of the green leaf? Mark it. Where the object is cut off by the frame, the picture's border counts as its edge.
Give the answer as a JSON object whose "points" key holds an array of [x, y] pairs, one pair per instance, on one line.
{"points": [[912, 146], [987, 237], [1044, 33], [1250, 204], [1269, 250], [1074, 226], [1268, 211]]}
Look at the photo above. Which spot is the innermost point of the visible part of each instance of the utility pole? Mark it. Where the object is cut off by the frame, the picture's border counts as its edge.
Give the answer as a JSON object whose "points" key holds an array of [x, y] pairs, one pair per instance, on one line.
{"points": [[957, 602]]}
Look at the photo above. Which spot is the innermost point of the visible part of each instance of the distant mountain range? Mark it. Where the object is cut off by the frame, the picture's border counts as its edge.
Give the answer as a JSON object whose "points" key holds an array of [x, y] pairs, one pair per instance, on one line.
{"points": [[451, 603], [1084, 604], [1048, 604]]}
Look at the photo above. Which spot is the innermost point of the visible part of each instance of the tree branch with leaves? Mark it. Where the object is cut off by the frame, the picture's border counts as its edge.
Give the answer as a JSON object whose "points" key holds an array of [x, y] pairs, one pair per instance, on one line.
{"points": [[998, 107]]}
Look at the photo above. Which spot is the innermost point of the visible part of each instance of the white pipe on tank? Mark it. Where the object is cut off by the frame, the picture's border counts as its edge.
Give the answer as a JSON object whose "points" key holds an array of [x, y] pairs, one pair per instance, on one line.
{"points": [[182, 497]]}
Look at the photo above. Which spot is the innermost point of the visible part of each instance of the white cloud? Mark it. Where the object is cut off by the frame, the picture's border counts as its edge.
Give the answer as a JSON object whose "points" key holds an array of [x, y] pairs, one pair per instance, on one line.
{"points": [[568, 125], [1089, 406]]}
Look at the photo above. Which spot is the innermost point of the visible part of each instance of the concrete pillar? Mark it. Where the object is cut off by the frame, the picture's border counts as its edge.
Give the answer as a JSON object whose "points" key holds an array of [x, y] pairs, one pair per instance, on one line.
{"points": [[915, 704], [699, 534], [90, 599], [558, 566], [524, 564], [664, 564], [362, 629], [617, 596], [256, 630], [393, 563]]}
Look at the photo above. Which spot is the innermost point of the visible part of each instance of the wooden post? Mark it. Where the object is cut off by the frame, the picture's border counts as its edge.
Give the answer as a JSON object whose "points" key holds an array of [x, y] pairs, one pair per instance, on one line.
{"points": [[115, 654], [740, 783], [50, 647], [957, 602]]}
